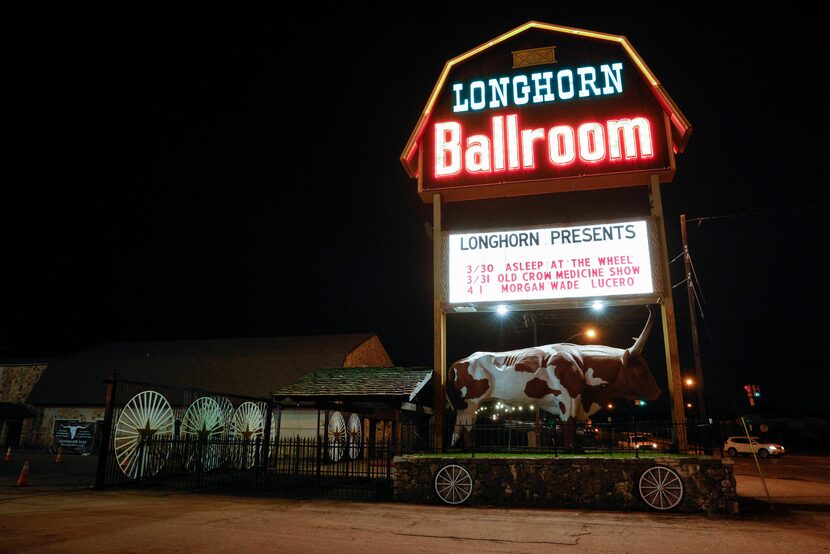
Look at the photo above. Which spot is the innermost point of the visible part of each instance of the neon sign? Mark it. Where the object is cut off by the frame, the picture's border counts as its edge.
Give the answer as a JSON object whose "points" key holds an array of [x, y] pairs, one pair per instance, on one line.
{"points": [[518, 90], [512, 148], [542, 109]]}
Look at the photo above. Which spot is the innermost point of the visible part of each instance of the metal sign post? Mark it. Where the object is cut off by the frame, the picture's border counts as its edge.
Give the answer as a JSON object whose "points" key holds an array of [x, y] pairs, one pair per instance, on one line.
{"points": [[439, 329], [669, 326]]}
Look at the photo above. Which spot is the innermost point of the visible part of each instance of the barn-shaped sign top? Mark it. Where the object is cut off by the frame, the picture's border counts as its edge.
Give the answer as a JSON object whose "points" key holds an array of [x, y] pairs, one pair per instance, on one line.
{"points": [[541, 109]]}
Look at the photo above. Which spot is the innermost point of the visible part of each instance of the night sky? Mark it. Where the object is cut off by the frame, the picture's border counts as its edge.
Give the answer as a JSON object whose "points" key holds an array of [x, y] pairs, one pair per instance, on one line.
{"points": [[212, 175]]}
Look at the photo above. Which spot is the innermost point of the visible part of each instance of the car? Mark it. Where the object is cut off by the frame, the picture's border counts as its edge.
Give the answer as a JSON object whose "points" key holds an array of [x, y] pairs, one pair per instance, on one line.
{"points": [[638, 442], [746, 446]]}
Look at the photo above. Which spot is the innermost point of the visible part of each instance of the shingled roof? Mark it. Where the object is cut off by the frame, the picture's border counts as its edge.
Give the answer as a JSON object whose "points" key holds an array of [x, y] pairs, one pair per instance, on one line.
{"points": [[358, 382], [245, 367]]}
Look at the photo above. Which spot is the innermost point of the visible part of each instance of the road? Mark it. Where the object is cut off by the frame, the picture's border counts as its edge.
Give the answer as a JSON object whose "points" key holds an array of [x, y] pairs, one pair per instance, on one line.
{"points": [[54, 517], [805, 468]]}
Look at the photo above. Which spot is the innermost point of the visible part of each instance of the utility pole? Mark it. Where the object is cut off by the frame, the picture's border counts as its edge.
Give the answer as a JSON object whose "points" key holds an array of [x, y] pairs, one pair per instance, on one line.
{"points": [[687, 262]]}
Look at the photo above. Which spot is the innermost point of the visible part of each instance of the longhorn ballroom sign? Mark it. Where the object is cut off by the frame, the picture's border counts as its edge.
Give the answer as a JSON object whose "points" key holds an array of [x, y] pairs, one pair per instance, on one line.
{"points": [[539, 110], [536, 112], [598, 260]]}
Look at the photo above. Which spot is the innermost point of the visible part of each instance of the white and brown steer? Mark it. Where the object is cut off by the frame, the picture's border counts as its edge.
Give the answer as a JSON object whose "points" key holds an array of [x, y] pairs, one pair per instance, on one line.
{"points": [[567, 380]]}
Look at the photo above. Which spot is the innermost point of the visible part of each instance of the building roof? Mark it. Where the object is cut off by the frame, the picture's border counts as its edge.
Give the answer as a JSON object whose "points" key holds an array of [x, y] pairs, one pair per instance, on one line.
{"points": [[14, 412], [360, 382], [246, 367]]}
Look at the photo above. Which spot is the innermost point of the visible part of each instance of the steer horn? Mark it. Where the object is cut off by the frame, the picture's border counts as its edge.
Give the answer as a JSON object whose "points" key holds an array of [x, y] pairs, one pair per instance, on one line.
{"points": [[637, 349]]}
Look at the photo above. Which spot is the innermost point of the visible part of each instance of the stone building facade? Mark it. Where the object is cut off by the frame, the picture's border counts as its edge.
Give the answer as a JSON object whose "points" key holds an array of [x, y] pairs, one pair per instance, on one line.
{"points": [[18, 419]]}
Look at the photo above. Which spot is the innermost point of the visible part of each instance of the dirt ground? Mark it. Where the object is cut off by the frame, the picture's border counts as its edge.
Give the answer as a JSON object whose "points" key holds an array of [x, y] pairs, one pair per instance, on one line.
{"points": [[63, 515], [153, 521]]}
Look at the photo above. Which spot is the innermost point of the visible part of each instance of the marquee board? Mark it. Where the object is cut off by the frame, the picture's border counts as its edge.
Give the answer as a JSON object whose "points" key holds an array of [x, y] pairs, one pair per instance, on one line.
{"points": [[615, 261]]}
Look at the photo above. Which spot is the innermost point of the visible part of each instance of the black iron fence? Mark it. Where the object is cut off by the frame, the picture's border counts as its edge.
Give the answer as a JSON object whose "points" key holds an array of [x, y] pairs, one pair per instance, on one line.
{"points": [[632, 437], [297, 466], [199, 440]]}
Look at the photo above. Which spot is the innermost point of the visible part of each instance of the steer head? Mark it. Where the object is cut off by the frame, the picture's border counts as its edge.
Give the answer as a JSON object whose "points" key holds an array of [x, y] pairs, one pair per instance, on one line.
{"points": [[635, 381]]}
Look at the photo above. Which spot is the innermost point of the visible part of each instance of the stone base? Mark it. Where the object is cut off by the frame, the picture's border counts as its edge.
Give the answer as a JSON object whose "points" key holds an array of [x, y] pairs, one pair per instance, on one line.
{"points": [[592, 483]]}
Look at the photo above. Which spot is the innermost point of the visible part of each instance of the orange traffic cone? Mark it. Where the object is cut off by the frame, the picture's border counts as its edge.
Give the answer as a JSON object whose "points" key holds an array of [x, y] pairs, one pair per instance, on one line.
{"points": [[59, 457], [23, 480], [9, 454]]}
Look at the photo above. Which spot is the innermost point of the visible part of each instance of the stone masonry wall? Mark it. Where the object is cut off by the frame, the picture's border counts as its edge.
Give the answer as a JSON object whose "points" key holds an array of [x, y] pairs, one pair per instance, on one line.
{"points": [[16, 382], [592, 483], [370, 353]]}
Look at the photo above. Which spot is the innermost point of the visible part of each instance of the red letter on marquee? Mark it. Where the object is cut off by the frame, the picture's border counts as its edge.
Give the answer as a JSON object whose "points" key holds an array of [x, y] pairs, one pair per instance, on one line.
{"points": [[447, 148]]}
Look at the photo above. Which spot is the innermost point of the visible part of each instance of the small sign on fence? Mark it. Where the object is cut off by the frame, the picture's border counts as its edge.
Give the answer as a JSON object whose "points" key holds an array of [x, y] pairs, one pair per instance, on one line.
{"points": [[75, 437]]}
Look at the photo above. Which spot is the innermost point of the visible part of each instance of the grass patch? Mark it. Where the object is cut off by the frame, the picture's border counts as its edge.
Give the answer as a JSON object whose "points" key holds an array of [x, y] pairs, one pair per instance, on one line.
{"points": [[549, 455]]}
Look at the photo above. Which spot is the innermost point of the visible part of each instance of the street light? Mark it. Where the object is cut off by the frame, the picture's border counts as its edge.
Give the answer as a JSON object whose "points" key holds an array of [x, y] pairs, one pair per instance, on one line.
{"points": [[590, 333], [689, 381]]}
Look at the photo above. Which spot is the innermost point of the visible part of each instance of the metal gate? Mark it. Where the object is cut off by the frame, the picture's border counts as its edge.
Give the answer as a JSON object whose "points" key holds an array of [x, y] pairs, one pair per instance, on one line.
{"points": [[204, 441]]}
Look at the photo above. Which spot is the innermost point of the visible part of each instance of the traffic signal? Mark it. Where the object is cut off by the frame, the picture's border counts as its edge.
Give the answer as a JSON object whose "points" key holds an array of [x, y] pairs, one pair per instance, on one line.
{"points": [[756, 391], [750, 394]]}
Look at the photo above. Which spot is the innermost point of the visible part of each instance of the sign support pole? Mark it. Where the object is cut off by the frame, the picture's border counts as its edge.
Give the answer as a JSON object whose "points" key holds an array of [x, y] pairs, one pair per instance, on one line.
{"points": [[439, 330], [669, 326]]}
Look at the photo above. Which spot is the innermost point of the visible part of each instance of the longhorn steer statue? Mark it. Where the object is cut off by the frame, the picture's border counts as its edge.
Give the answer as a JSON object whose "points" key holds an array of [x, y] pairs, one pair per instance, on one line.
{"points": [[567, 380]]}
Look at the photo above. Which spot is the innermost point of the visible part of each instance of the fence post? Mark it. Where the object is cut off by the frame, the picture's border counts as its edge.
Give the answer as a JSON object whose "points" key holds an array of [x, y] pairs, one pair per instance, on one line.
{"points": [[555, 446], [389, 455], [319, 460], [200, 455], [266, 442], [634, 437], [106, 432], [297, 457], [257, 450]]}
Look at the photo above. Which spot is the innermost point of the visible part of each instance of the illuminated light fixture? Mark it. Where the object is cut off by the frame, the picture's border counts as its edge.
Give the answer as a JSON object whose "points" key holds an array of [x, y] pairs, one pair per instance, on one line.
{"points": [[597, 305], [465, 309], [688, 404], [591, 333], [501, 309], [610, 406], [520, 408], [689, 381], [531, 406]]}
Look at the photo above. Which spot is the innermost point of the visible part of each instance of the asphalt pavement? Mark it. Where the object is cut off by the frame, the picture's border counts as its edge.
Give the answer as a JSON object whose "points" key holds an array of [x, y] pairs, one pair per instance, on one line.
{"points": [[58, 512]]}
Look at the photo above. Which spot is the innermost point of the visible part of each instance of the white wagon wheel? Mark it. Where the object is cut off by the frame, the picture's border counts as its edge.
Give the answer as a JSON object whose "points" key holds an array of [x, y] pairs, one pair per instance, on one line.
{"points": [[453, 484], [248, 425], [204, 424], [336, 436], [226, 408], [354, 434], [661, 488], [142, 434]]}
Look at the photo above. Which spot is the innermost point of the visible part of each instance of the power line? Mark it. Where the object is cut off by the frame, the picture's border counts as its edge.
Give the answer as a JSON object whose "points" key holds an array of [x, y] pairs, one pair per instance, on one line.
{"points": [[700, 220], [696, 281]]}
